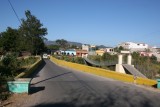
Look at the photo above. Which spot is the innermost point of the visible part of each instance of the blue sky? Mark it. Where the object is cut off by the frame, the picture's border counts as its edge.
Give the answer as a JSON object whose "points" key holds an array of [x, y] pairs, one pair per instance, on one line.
{"points": [[107, 22]]}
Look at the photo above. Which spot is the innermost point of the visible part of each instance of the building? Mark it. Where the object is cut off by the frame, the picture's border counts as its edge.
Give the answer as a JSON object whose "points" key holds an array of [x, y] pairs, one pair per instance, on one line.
{"points": [[134, 46], [109, 50], [100, 52], [69, 52], [85, 47], [88, 47], [57, 52], [81, 53], [146, 54]]}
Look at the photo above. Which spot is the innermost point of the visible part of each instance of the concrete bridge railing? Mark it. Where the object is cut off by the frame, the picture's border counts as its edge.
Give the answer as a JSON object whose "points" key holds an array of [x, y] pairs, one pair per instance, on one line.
{"points": [[105, 73]]}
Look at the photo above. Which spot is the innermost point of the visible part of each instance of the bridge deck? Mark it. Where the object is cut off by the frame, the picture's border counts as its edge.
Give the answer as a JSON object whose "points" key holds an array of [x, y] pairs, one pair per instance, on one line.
{"points": [[95, 63]]}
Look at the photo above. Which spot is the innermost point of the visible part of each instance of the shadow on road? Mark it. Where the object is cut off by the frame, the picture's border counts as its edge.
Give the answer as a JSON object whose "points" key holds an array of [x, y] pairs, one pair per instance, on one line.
{"points": [[118, 97], [33, 90], [51, 78], [99, 102]]}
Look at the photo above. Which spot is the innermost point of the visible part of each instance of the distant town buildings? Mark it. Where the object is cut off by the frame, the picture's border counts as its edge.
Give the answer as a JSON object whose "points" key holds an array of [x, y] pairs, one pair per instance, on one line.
{"points": [[142, 48], [134, 46]]}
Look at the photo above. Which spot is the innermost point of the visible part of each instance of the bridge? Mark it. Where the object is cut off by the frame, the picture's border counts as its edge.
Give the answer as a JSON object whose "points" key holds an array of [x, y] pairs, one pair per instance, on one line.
{"points": [[119, 66], [57, 86]]}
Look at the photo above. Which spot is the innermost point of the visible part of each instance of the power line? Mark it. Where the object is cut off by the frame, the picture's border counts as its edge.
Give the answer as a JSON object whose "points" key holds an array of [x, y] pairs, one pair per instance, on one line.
{"points": [[14, 11]]}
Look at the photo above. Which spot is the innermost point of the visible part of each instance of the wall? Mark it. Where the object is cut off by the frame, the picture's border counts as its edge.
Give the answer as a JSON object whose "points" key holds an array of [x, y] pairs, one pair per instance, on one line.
{"points": [[30, 70]]}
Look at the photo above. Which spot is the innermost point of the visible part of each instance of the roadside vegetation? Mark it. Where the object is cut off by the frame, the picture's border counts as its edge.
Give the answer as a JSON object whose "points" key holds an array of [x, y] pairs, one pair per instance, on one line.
{"points": [[68, 58], [147, 65], [29, 37]]}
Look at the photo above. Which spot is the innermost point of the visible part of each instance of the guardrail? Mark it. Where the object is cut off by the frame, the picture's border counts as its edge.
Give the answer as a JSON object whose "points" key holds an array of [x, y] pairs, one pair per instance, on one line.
{"points": [[105, 73]]}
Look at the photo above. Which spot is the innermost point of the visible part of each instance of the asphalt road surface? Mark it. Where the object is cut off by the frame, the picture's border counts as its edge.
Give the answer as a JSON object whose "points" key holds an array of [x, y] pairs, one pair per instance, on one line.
{"points": [[55, 86]]}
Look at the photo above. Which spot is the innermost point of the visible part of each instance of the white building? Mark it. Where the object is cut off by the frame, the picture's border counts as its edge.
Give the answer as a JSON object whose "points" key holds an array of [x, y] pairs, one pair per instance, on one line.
{"points": [[89, 47], [109, 50], [85, 47], [134, 46]]}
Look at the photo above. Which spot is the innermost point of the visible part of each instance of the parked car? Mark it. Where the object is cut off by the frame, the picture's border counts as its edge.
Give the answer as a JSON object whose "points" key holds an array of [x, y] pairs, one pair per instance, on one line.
{"points": [[45, 56]]}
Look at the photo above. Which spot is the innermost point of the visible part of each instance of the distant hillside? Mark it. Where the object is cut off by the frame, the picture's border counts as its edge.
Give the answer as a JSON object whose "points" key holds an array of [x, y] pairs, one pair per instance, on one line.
{"points": [[101, 46], [50, 42], [75, 43], [71, 43]]}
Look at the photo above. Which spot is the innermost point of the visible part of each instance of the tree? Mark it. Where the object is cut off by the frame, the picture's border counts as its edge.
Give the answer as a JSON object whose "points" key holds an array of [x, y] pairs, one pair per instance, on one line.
{"points": [[9, 40], [153, 59], [73, 46], [118, 49], [33, 33], [53, 47], [62, 43]]}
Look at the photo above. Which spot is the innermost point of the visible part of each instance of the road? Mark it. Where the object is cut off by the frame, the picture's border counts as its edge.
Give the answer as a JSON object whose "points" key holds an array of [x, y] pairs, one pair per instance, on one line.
{"points": [[55, 86]]}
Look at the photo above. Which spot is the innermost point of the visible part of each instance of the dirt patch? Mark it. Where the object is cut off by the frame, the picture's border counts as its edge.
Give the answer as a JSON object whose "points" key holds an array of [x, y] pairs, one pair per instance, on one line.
{"points": [[15, 100]]}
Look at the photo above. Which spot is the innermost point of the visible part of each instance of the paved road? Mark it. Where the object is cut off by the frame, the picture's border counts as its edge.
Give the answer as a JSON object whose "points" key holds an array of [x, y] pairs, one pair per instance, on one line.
{"points": [[55, 86]]}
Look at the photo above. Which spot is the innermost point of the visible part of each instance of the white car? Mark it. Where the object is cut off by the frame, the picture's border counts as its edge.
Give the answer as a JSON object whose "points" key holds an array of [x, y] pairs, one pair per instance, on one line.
{"points": [[45, 56]]}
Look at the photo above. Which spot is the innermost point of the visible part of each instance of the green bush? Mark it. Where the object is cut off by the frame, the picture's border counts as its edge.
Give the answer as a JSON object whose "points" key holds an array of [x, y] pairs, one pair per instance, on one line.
{"points": [[9, 65], [4, 94], [79, 60]]}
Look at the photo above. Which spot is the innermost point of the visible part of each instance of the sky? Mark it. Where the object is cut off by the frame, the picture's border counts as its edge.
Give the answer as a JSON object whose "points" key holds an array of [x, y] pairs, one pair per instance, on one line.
{"points": [[96, 22]]}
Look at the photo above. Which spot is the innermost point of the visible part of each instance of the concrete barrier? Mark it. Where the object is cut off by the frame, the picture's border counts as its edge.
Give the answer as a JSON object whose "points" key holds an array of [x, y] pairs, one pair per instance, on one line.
{"points": [[19, 85], [158, 83], [105, 73], [30, 69]]}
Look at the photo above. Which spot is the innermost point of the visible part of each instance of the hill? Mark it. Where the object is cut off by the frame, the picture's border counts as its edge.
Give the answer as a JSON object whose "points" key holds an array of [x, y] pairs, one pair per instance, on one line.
{"points": [[78, 44], [70, 43]]}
